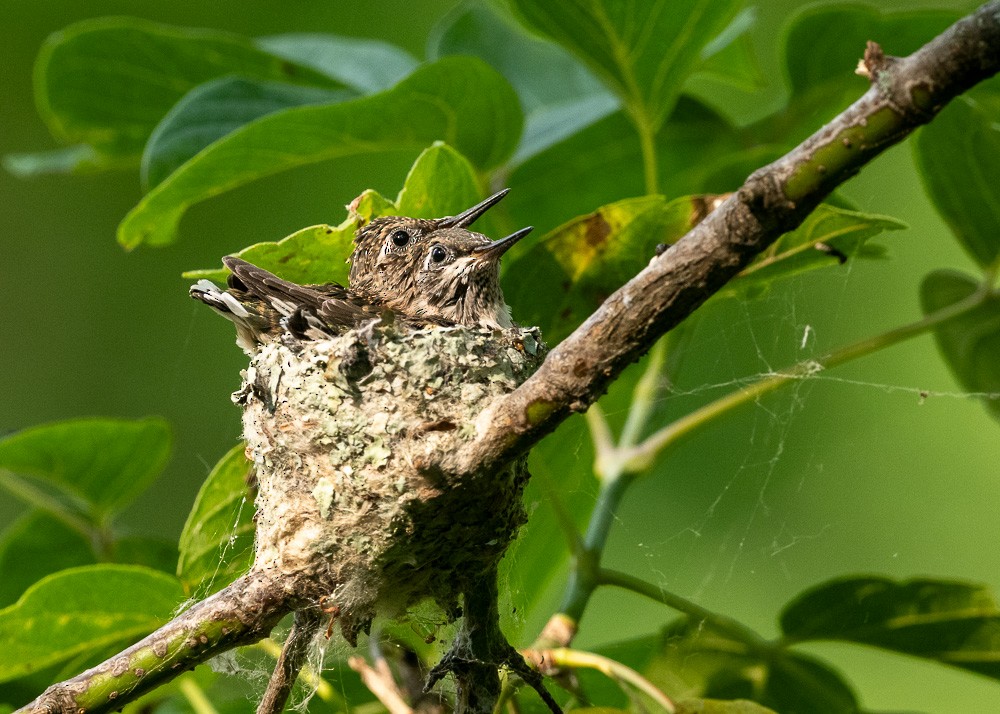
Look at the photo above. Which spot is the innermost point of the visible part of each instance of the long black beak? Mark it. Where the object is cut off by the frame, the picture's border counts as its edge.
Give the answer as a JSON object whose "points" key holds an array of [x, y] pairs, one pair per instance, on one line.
{"points": [[494, 250], [467, 217]]}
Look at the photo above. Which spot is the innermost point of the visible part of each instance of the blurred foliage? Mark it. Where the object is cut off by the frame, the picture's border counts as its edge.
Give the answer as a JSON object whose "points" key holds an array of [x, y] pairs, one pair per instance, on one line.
{"points": [[537, 99]]}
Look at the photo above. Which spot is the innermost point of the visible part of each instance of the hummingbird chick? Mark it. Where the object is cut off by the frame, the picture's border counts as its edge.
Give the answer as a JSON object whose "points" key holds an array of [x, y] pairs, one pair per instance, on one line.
{"points": [[423, 271]]}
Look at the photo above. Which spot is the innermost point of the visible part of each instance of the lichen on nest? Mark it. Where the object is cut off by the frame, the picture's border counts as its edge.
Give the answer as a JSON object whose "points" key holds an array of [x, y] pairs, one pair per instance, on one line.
{"points": [[350, 439]]}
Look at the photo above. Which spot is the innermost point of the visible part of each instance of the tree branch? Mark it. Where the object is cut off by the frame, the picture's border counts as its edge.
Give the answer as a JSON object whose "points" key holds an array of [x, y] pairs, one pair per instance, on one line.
{"points": [[239, 614], [905, 93]]}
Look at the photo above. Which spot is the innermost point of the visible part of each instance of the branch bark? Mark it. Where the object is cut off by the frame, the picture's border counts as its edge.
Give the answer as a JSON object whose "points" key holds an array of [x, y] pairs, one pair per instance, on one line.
{"points": [[905, 93]]}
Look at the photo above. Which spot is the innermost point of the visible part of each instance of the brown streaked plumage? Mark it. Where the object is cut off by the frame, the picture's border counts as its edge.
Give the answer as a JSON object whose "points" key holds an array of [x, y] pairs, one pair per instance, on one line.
{"points": [[442, 274], [380, 246]]}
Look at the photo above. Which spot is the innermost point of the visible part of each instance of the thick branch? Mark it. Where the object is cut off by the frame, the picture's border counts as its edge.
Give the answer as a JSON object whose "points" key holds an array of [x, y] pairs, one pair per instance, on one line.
{"points": [[905, 93], [239, 614]]}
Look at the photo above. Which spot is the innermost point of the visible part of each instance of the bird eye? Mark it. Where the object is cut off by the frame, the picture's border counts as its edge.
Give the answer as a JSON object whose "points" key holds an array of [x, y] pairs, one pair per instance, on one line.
{"points": [[400, 238], [438, 254]]}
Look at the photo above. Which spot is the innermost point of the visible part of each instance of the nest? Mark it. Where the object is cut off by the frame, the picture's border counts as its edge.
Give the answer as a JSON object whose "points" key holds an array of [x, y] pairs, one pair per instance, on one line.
{"points": [[352, 438]]}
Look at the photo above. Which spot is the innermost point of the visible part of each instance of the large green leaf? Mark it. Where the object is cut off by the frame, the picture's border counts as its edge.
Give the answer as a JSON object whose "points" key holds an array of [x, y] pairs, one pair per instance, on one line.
{"points": [[959, 159], [104, 462], [216, 545], [80, 610], [603, 163], [458, 99], [643, 50], [828, 236], [952, 622], [696, 660], [149, 552], [970, 343], [730, 57], [559, 95], [822, 46], [108, 82], [822, 43], [211, 110], [441, 182], [313, 255], [34, 546], [719, 706], [366, 65]]}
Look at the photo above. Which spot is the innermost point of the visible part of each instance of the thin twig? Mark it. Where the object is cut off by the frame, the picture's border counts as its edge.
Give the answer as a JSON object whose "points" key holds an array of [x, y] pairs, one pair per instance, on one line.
{"points": [[641, 456], [195, 695], [381, 683], [720, 623], [293, 654]]}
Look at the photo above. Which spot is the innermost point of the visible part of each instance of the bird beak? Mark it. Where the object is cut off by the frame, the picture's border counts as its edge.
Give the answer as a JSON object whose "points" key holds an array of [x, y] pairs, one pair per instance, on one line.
{"points": [[467, 217], [493, 251]]}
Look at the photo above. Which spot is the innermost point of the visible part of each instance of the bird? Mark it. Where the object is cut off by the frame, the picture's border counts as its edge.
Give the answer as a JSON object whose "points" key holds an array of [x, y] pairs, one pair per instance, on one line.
{"points": [[422, 272]]}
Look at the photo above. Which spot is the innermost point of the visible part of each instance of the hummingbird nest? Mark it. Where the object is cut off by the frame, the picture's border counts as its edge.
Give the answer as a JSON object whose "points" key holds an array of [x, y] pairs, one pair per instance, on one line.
{"points": [[351, 439]]}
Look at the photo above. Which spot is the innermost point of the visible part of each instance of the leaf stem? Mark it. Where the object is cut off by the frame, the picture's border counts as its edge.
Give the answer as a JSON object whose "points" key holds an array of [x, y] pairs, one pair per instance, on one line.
{"points": [[641, 456], [35, 496], [565, 657], [647, 147], [725, 625], [195, 695], [647, 391], [615, 475]]}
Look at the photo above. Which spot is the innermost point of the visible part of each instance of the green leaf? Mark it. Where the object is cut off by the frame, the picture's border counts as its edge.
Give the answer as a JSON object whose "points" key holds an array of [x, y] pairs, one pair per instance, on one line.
{"points": [[603, 164], [149, 552], [644, 51], [572, 270], [34, 546], [363, 64], [823, 43], [822, 46], [459, 100], [216, 545], [970, 343], [696, 660], [441, 182], [107, 82], [313, 255], [81, 610], [952, 622], [957, 156], [730, 57], [559, 95], [211, 110], [718, 706], [828, 236], [105, 462]]}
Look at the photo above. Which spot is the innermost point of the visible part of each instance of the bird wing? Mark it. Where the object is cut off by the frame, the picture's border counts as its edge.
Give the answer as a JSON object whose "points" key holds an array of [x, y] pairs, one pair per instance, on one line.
{"points": [[329, 308]]}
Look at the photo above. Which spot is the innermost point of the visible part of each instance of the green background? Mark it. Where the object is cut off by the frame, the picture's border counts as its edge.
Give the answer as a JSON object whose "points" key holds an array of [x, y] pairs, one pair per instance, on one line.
{"points": [[845, 473]]}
